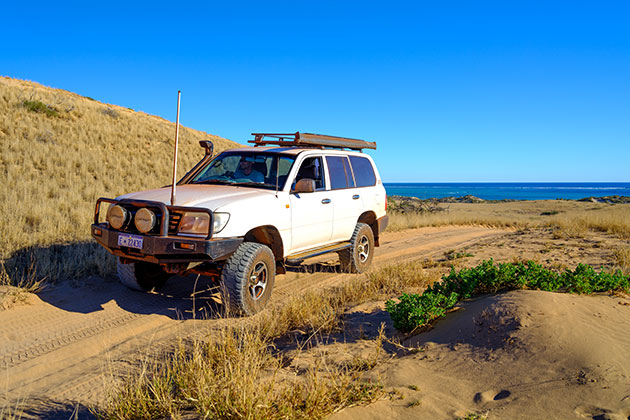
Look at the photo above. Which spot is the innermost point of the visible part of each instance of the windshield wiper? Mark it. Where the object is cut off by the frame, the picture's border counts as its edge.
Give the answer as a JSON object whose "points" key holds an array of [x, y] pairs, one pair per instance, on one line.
{"points": [[257, 184], [214, 181]]}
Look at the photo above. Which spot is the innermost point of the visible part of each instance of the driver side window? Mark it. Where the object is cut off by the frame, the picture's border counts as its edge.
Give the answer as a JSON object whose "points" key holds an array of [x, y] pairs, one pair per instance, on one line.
{"points": [[312, 168], [222, 167]]}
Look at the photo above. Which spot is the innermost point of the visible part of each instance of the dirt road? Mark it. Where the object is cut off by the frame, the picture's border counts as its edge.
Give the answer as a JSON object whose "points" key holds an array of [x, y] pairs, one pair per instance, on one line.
{"points": [[66, 344]]}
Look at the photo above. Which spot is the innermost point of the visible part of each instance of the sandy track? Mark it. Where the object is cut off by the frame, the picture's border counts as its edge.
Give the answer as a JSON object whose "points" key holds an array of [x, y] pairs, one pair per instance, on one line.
{"points": [[67, 343]]}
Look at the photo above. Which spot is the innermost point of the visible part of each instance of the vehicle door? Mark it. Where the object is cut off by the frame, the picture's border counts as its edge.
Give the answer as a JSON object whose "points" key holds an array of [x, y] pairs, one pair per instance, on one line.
{"points": [[347, 204], [311, 212]]}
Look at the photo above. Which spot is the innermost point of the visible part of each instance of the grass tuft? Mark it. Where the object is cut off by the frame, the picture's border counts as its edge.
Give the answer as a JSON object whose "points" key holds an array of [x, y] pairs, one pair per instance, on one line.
{"points": [[473, 416], [15, 288], [110, 112], [454, 255], [622, 257], [414, 403]]}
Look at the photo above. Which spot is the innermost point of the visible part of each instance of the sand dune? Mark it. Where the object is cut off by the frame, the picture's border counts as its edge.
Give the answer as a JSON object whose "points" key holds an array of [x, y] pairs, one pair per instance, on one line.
{"points": [[517, 355]]}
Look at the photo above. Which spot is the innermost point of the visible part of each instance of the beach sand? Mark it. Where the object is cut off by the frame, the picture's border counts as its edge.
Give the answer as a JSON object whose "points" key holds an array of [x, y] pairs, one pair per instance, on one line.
{"points": [[517, 355]]}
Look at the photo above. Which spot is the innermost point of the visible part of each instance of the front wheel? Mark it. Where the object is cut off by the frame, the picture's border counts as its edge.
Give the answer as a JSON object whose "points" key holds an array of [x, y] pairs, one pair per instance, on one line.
{"points": [[248, 277], [142, 276], [358, 258]]}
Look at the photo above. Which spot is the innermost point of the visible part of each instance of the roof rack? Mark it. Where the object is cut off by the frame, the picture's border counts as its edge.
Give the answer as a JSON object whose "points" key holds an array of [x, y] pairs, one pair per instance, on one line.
{"points": [[310, 140]]}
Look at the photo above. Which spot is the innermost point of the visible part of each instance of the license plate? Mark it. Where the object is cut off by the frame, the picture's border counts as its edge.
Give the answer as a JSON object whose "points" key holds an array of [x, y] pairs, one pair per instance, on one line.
{"points": [[131, 241]]}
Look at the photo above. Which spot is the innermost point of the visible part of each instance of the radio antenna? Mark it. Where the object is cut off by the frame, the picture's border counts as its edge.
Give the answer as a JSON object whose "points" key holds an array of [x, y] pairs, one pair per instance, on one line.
{"points": [[179, 95]]}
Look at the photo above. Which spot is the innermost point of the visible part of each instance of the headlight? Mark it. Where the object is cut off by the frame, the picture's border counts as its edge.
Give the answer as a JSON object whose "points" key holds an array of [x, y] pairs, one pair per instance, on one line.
{"points": [[145, 220], [197, 223], [117, 216]]}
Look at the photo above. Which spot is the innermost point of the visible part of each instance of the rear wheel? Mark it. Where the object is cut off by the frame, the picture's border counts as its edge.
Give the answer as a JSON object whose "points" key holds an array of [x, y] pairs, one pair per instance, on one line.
{"points": [[358, 258], [248, 277], [142, 276]]}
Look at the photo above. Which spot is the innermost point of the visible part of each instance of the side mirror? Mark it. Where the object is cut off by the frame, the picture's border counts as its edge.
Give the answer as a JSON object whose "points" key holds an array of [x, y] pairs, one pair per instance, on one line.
{"points": [[304, 185], [208, 145]]}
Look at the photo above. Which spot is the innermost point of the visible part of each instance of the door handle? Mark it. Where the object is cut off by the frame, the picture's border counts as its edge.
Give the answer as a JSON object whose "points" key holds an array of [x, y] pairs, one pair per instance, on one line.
{"points": [[355, 197], [326, 201]]}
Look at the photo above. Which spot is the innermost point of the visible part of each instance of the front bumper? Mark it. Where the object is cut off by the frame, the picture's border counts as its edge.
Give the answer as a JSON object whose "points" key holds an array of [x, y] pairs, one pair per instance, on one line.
{"points": [[166, 249]]}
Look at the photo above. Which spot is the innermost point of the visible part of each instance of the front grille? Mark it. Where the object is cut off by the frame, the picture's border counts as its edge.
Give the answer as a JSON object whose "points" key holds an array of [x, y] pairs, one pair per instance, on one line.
{"points": [[173, 222]]}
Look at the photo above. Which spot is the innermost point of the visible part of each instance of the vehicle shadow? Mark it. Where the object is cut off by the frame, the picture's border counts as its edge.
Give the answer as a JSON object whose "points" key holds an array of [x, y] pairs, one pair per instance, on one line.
{"points": [[361, 325], [79, 277], [53, 410], [182, 298]]}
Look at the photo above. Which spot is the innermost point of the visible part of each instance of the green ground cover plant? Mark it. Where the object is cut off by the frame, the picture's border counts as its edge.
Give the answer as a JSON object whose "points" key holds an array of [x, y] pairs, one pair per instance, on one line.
{"points": [[413, 311], [39, 106]]}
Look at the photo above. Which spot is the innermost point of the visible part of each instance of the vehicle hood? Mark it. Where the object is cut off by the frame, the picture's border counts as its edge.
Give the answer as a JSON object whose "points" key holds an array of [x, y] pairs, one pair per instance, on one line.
{"points": [[207, 196]]}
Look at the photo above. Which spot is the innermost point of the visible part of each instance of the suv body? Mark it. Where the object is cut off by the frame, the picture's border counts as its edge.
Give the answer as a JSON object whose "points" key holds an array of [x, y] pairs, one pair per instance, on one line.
{"points": [[304, 200]]}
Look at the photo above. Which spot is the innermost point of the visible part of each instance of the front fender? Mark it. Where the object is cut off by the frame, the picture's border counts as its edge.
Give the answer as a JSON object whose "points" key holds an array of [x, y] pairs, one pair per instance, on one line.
{"points": [[252, 212]]}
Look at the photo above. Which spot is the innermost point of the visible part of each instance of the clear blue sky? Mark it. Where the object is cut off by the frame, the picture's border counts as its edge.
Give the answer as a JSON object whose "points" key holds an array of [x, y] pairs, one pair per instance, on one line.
{"points": [[450, 91]]}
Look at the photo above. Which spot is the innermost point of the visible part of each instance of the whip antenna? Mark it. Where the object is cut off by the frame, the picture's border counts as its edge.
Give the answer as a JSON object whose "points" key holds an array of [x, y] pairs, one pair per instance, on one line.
{"points": [[179, 95]]}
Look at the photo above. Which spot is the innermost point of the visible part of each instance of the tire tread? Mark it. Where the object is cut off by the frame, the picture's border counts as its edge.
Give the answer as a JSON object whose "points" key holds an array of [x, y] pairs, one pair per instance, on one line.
{"points": [[235, 272], [348, 257]]}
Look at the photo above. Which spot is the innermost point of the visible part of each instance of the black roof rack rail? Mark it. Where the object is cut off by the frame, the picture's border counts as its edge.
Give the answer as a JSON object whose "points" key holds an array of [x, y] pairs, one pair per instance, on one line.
{"points": [[298, 139]]}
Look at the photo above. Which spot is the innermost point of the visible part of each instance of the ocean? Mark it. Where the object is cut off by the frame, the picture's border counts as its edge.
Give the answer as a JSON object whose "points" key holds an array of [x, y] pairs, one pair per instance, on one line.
{"points": [[509, 190]]}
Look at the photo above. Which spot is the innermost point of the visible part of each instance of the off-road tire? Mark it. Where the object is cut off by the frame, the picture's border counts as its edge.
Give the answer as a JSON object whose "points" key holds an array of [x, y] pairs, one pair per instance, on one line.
{"points": [[358, 258], [141, 276], [242, 278]]}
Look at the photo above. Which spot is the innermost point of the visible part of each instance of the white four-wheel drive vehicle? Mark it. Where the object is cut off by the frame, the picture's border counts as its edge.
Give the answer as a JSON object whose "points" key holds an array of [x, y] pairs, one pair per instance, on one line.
{"points": [[243, 215]]}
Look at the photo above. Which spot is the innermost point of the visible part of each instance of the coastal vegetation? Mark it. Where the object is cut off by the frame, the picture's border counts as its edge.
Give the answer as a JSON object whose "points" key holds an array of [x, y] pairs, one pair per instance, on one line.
{"points": [[413, 311]]}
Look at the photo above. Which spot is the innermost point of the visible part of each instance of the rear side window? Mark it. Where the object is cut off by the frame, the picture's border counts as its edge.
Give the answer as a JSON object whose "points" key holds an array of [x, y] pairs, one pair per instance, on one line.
{"points": [[339, 171], [363, 171]]}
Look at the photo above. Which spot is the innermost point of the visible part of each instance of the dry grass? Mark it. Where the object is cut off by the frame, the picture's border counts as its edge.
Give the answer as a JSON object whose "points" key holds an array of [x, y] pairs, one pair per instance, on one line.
{"points": [[240, 374], [570, 218], [237, 376], [59, 152], [15, 289], [321, 311], [622, 257]]}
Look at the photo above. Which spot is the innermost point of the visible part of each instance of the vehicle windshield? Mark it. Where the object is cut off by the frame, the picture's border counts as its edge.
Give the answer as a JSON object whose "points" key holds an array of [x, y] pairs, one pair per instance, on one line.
{"points": [[260, 170]]}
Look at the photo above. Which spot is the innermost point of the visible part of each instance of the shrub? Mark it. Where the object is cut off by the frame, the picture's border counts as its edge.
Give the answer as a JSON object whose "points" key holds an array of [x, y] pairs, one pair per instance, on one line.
{"points": [[110, 112], [40, 107], [414, 311]]}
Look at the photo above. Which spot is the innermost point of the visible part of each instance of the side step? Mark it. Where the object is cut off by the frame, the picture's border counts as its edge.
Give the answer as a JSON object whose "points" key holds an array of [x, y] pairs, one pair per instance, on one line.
{"points": [[297, 259]]}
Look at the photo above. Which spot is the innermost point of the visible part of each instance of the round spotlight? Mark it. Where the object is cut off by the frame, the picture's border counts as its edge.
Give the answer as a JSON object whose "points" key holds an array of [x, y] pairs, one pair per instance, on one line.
{"points": [[117, 216], [145, 220]]}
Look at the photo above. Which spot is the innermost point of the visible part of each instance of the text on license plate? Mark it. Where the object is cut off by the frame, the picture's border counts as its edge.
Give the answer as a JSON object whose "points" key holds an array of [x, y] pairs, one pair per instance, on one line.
{"points": [[132, 241]]}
